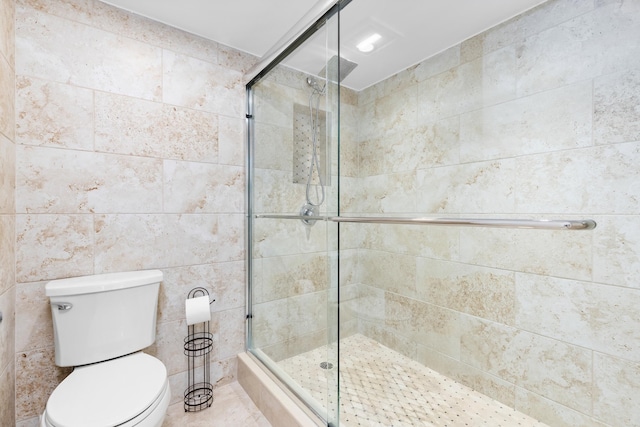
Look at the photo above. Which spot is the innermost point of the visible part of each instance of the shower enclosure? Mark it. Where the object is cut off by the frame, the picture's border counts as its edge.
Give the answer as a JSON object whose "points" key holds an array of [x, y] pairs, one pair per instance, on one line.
{"points": [[423, 250]]}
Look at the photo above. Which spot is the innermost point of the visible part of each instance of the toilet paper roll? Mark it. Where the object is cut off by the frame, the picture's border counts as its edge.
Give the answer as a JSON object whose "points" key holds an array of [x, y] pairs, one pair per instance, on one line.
{"points": [[197, 310]]}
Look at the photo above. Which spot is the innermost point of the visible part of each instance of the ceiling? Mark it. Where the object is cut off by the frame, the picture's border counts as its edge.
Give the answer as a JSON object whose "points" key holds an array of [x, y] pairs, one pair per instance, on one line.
{"points": [[412, 30]]}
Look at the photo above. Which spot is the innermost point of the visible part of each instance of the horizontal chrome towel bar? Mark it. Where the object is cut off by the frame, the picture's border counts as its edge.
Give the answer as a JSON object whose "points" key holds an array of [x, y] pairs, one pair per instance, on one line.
{"points": [[558, 224]]}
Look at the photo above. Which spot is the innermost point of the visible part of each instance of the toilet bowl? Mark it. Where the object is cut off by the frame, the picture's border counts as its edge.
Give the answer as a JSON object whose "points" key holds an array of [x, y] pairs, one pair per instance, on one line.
{"points": [[101, 324], [129, 391]]}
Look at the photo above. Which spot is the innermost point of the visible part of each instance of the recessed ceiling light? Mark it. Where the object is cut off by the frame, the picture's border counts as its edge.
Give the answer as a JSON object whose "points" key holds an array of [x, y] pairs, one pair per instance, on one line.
{"points": [[367, 45]]}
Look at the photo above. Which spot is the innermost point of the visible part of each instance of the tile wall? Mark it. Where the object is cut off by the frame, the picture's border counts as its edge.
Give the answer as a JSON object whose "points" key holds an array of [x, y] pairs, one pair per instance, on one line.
{"points": [[535, 118], [7, 211], [129, 152]]}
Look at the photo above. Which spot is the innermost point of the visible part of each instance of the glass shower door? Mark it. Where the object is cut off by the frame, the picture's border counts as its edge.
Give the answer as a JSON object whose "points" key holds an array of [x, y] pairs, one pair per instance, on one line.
{"points": [[293, 157]]}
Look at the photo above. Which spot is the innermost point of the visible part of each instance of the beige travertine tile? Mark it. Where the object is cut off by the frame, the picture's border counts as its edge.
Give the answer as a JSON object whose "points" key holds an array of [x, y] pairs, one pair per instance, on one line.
{"points": [[232, 58], [565, 181], [69, 181], [292, 275], [423, 323], [480, 381], [231, 141], [285, 196], [270, 323], [36, 378], [190, 134], [500, 36], [193, 187], [590, 45], [194, 83], [397, 110], [456, 91], [616, 250], [548, 367], [7, 252], [615, 105], [439, 63], [7, 395], [138, 127], [370, 159], [388, 271], [371, 304], [274, 104], [48, 114], [432, 242], [348, 307], [550, 121], [552, 13], [224, 281], [440, 142], [63, 50], [8, 99], [616, 383], [118, 21], [7, 36], [305, 342], [480, 187], [273, 237], [169, 346], [397, 156], [478, 291], [131, 242], [53, 246], [388, 337], [127, 125], [7, 176], [600, 317], [349, 144], [551, 412], [554, 253], [230, 331], [7, 328], [307, 313], [33, 317], [275, 148], [387, 193], [222, 372]]}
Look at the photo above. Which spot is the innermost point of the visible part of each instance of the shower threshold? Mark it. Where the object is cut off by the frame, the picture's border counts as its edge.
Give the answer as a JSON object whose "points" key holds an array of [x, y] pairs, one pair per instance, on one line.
{"points": [[379, 387]]}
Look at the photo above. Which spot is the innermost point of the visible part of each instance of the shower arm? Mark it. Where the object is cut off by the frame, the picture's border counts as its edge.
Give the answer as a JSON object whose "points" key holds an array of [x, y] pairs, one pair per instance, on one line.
{"points": [[542, 224]]}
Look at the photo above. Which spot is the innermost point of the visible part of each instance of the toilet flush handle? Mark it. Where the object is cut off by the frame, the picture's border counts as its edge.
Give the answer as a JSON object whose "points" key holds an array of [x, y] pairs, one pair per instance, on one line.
{"points": [[64, 306]]}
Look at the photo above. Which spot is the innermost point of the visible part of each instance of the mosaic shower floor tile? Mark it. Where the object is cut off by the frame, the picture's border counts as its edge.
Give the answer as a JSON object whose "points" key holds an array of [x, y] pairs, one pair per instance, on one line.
{"points": [[382, 388]]}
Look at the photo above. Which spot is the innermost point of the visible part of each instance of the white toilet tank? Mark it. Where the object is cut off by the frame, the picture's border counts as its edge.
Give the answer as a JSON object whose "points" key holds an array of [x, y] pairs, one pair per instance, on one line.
{"points": [[100, 317]]}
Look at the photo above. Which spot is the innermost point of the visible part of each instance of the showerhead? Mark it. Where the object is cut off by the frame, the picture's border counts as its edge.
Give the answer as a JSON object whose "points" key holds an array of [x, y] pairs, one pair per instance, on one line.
{"points": [[315, 85], [335, 64]]}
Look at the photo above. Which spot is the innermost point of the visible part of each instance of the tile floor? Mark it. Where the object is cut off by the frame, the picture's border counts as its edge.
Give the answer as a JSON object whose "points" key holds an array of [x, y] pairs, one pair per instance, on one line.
{"points": [[231, 407], [382, 388]]}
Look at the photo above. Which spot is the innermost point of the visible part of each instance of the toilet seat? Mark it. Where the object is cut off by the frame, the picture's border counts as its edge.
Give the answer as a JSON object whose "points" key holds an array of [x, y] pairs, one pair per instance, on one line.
{"points": [[119, 392]]}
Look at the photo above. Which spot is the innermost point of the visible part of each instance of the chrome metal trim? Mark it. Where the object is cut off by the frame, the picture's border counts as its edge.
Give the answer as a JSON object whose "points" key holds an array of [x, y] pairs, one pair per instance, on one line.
{"points": [[541, 224], [248, 205], [303, 24]]}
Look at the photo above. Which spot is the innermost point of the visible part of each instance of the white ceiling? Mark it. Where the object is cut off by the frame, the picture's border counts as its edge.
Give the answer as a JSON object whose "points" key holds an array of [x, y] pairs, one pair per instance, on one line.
{"points": [[412, 29]]}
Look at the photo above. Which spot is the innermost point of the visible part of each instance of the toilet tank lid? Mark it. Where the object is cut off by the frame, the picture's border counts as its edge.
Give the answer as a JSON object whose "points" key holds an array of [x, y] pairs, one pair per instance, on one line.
{"points": [[101, 282]]}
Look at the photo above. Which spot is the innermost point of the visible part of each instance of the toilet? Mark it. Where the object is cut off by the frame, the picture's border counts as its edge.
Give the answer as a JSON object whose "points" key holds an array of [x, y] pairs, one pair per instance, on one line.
{"points": [[101, 323]]}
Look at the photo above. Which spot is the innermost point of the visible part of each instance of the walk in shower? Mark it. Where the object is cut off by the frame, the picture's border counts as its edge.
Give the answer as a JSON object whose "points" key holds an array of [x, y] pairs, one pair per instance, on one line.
{"points": [[455, 242]]}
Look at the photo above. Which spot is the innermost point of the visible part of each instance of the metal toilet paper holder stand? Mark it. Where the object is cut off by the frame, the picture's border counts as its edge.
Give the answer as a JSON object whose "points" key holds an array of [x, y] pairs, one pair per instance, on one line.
{"points": [[198, 345]]}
